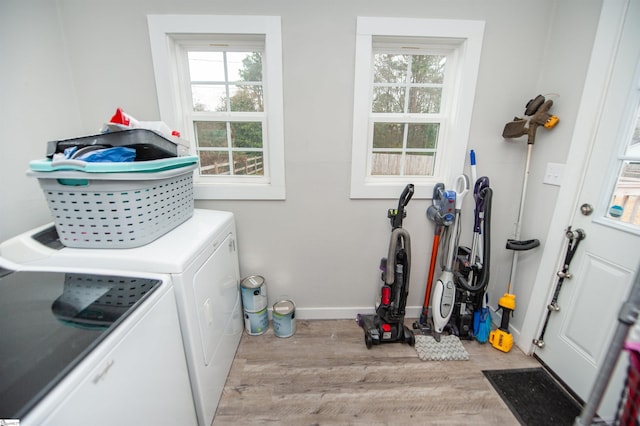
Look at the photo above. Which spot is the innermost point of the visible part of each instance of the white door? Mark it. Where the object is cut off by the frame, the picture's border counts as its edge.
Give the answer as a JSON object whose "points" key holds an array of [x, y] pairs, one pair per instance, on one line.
{"points": [[577, 338]]}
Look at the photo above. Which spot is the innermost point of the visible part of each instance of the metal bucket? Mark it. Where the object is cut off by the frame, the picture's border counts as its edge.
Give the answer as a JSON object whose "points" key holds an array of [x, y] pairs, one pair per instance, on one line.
{"points": [[254, 293], [284, 318], [256, 323]]}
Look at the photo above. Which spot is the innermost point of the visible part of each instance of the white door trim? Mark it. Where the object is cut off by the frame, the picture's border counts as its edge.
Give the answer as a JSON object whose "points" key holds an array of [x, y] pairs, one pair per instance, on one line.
{"points": [[589, 113]]}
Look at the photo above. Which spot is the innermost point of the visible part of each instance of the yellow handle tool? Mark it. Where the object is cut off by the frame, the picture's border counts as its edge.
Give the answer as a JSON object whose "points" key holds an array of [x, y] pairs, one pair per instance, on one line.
{"points": [[500, 338]]}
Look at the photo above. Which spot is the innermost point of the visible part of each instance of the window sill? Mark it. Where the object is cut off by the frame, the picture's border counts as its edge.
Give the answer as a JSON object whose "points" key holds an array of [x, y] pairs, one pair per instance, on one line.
{"points": [[221, 191], [391, 190]]}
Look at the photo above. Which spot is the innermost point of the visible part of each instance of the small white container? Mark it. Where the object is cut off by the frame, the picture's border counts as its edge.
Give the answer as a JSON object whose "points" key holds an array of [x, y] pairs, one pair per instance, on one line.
{"points": [[284, 318], [254, 293], [256, 323]]}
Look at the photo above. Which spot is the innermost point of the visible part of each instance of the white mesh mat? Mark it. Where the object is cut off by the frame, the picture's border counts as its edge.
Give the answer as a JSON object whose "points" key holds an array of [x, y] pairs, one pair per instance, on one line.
{"points": [[449, 348]]}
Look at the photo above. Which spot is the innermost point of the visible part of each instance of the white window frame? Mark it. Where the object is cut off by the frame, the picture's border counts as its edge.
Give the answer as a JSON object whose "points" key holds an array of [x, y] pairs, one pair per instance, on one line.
{"points": [[464, 39], [167, 35]]}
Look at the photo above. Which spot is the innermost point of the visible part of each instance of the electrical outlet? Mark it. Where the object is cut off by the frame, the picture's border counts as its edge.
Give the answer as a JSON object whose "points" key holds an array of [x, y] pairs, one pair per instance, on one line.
{"points": [[553, 174]]}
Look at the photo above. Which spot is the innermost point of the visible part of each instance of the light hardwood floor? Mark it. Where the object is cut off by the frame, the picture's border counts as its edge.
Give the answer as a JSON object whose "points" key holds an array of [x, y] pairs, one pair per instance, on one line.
{"points": [[325, 375]]}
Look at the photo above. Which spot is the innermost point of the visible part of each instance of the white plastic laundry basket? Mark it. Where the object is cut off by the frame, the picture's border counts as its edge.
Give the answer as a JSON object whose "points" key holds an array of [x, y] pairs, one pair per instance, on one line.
{"points": [[117, 210]]}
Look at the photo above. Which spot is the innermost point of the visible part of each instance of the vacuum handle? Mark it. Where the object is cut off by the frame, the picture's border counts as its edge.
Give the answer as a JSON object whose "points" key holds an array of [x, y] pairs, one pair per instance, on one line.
{"points": [[406, 196], [396, 216], [438, 191], [461, 187], [479, 196]]}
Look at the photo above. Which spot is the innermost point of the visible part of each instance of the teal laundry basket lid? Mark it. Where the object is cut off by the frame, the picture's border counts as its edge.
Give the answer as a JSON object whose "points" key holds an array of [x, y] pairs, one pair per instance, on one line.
{"points": [[151, 166]]}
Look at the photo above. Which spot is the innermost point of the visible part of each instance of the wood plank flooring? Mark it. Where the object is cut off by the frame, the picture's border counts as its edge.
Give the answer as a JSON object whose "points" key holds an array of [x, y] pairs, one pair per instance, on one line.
{"points": [[325, 375]]}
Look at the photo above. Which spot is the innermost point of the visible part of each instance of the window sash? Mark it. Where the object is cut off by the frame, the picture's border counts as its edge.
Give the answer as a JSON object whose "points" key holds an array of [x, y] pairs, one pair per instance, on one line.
{"points": [[430, 168], [169, 36], [461, 42], [228, 116]]}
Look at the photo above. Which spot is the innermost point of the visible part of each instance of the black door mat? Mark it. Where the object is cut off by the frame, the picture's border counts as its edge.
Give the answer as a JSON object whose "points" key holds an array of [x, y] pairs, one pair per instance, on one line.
{"points": [[534, 397]]}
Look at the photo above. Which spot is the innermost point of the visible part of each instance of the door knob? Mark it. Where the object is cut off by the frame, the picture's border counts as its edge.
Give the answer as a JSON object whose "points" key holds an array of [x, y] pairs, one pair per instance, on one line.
{"points": [[586, 209]]}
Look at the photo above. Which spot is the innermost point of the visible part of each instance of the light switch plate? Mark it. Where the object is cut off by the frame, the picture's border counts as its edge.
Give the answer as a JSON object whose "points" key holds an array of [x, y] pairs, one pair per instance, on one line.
{"points": [[553, 174]]}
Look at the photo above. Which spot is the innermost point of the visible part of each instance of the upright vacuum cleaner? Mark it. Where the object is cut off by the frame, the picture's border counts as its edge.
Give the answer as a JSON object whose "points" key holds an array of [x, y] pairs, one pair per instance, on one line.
{"points": [[441, 212], [471, 274], [387, 324], [444, 290]]}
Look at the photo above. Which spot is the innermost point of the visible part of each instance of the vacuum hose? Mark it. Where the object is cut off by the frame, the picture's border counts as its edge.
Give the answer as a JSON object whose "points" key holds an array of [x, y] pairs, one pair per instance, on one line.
{"points": [[396, 235], [397, 271], [483, 279]]}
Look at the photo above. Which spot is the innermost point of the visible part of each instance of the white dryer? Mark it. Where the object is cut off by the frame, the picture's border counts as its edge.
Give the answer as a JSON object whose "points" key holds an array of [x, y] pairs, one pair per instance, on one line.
{"points": [[202, 259]]}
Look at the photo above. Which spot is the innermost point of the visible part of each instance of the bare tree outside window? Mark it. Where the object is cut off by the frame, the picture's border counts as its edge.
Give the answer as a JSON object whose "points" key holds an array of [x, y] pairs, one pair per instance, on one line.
{"points": [[227, 87], [406, 101]]}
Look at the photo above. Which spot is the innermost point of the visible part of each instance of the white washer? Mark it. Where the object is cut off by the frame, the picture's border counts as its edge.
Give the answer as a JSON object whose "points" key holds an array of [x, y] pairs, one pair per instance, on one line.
{"points": [[85, 346], [201, 257]]}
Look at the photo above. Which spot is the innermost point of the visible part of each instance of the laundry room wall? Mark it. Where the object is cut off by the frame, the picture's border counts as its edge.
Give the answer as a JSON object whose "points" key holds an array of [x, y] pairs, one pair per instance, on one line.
{"points": [[84, 58], [567, 45], [37, 104]]}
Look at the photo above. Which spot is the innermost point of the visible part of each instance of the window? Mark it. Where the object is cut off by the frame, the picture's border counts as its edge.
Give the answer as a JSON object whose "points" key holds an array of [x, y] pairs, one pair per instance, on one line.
{"points": [[407, 88], [414, 89], [219, 80], [624, 203], [226, 108]]}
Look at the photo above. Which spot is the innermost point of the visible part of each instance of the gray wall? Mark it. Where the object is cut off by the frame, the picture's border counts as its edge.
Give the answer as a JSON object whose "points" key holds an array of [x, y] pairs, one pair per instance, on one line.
{"points": [[67, 65], [37, 103]]}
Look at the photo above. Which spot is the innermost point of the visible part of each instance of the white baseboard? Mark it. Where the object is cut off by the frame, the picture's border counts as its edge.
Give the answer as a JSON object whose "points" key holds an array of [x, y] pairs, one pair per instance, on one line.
{"points": [[351, 313], [346, 312]]}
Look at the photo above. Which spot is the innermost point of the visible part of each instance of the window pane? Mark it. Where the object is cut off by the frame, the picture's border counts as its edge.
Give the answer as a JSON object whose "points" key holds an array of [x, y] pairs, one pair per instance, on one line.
{"points": [[424, 136], [206, 66], [428, 69], [388, 99], [209, 98], [211, 134], [425, 100], [625, 201], [214, 163], [386, 164], [634, 144], [248, 163], [244, 66], [240, 67], [390, 68], [246, 134], [388, 135], [246, 98], [419, 164]]}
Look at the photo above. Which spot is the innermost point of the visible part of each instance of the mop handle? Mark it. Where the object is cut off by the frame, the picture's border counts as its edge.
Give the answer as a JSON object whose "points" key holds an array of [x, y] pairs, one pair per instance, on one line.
{"points": [[474, 174]]}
